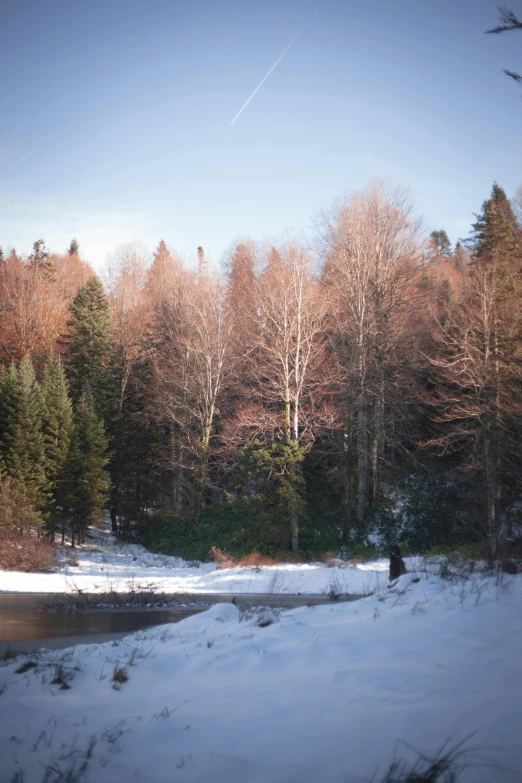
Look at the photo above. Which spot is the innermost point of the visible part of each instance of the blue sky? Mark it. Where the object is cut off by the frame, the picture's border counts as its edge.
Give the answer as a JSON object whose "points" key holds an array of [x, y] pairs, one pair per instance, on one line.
{"points": [[116, 116]]}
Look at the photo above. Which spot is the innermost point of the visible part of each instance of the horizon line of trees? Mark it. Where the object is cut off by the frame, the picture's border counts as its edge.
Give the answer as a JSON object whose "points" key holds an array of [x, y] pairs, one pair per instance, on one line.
{"points": [[364, 389]]}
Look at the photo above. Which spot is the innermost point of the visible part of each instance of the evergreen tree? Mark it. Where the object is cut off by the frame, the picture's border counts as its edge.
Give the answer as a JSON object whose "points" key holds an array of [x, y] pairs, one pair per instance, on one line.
{"points": [[442, 243], [57, 429], [39, 259], [460, 258], [74, 247], [86, 480], [89, 345], [22, 444], [495, 233]]}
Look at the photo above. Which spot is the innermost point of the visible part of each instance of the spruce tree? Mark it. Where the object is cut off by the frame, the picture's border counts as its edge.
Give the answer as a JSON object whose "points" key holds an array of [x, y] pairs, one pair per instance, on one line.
{"points": [[495, 233], [74, 247], [86, 479], [89, 345], [22, 445], [494, 305], [57, 430]]}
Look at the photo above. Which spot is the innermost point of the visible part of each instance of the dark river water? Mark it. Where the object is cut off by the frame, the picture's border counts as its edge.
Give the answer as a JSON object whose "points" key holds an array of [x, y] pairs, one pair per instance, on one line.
{"points": [[25, 625], [22, 621]]}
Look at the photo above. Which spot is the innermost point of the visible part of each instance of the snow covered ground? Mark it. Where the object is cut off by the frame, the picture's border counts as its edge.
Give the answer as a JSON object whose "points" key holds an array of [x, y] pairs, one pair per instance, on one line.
{"points": [[319, 694], [107, 564]]}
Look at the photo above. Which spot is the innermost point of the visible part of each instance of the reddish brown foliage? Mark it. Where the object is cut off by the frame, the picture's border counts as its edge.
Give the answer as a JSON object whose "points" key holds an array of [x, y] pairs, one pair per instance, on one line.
{"points": [[26, 553], [330, 559], [254, 559], [34, 304]]}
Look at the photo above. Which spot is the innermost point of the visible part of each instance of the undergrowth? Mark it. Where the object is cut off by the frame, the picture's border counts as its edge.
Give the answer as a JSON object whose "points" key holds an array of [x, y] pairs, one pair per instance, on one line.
{"points": [[445, 766], [26, 553]]}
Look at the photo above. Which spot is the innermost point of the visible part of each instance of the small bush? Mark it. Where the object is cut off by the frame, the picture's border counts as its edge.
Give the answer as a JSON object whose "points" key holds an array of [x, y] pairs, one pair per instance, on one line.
{"points": [[446, 766], [334, 590], [330, 559], [256, 559], [26, 553], [61, 677], [17, 515], [8, 655], [510, 566], [20, 523], [223, 559], [253, 560], [120, 675]]}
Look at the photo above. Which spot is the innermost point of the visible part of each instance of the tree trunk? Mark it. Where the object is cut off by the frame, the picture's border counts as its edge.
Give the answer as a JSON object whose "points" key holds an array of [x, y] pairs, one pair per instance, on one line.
{"points": [[362, 458], [179, 471], [348, 475], [491, 490], [114, 521], [287, 417], [294, 513], [377, 440]]}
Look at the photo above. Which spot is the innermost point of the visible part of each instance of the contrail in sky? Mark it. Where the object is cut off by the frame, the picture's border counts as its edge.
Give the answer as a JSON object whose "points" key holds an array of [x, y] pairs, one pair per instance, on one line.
{"points": [[274, 66]]}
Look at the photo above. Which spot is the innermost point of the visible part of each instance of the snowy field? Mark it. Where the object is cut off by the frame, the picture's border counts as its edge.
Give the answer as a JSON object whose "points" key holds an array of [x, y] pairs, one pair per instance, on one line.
{"points": [[107, 564], [319, 694]]}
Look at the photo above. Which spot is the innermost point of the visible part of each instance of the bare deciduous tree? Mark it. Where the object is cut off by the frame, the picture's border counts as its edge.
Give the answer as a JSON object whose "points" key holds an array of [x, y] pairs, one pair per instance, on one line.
{"points": [[373, 262], [191, 370], [479, 370], [284, 355]]}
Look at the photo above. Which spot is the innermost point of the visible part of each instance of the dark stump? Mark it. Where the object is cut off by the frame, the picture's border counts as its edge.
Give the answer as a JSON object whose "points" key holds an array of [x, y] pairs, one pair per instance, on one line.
{"points": [[397, 565]]}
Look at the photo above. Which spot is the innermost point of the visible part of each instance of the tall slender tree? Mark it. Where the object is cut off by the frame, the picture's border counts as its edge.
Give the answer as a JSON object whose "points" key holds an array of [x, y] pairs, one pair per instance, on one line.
{"points": [[373, 264], [86, 480], [479, 337], [22, 443], [89, 345], [57, 431]]}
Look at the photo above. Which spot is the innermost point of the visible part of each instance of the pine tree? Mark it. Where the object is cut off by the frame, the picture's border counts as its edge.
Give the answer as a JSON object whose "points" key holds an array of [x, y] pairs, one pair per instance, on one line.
{"points": [[89, 344], [86, 479], [22, 445]]}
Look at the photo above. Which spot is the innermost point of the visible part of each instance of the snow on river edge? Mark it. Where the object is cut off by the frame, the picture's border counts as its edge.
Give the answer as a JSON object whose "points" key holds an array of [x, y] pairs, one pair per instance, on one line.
{"points": [[318, 694], [109, 565]]}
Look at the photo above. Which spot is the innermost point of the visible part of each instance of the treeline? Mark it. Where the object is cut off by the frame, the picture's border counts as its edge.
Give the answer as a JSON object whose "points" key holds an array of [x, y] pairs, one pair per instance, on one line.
{"points": [[361, 391]]}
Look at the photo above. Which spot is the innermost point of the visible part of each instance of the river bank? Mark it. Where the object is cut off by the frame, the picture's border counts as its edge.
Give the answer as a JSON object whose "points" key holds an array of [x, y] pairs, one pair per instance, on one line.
{"points": [[329, 693], [105, 565]]}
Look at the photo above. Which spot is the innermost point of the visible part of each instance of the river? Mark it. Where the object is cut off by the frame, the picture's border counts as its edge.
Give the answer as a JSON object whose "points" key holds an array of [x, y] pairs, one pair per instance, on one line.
{"points": [[25, 625]]}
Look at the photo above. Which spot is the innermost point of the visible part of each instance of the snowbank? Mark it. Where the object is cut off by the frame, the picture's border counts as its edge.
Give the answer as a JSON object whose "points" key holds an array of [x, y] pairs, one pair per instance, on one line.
{"points": [[111, 565], [320, 694]]}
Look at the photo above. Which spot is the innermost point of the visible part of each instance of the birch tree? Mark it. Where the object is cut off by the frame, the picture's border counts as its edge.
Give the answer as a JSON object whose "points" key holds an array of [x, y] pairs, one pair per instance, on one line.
{"points": [[191, 371], [373, 259], [285, 354]]}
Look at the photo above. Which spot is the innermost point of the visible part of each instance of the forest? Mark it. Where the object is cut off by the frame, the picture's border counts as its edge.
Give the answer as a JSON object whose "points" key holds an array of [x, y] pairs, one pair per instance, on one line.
{"points": [[359, 390]]}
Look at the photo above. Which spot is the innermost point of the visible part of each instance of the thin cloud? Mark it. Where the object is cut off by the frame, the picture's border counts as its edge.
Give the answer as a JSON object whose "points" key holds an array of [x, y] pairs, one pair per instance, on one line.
{"points": [[274, 66]]}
